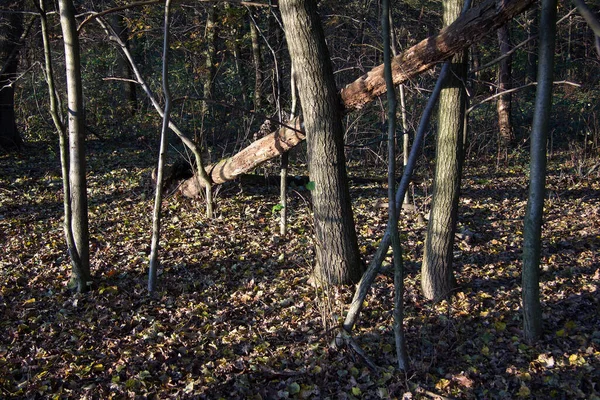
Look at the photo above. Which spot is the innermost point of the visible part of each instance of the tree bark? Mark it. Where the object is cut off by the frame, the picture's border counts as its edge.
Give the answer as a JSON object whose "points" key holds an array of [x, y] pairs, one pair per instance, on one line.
{"points": [[532, 32], [398, 328], [129, 88], [58, 120], [154, 263], [337, 256], [256, 57], [77, 167], [504, 104], [532, 233], [436, 270], [210, 53], [467, 29], [10, 138]]}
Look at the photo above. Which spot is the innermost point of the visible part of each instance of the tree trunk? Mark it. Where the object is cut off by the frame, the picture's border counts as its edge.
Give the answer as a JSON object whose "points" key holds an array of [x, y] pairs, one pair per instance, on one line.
{"points": [[467, 29], [210, 53], [392, 207], [58, 120], [532, 31], [10, 137], [77, 168], [256, 57], [436, 270], [123, 67], [338, 259], [504, 104], [532, 233], [156, 216]]}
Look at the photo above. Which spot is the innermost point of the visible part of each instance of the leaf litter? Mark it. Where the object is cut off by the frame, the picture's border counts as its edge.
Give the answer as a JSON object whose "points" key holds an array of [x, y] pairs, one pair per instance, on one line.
{"points": [[235, 316]]}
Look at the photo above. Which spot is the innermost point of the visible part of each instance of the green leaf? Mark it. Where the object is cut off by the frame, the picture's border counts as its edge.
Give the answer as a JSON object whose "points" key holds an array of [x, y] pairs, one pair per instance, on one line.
{"points": [[310, 185], [277, 208], [294, 388]]}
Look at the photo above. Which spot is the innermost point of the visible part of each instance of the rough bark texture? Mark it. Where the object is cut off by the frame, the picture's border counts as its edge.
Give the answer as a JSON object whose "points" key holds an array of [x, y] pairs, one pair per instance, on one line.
{"points": [[77, 178], [532, 232], [338, 260], [436, 270], [504, 104], [12, 27], [467, 29]]}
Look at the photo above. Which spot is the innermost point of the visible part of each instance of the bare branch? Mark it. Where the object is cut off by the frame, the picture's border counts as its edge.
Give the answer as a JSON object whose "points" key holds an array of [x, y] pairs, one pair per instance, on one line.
{"points": [[93, 15]]}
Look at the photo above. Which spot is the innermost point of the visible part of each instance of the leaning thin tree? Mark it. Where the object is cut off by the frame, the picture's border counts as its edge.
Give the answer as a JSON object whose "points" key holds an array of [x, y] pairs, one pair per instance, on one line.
{"points": [[153, 270], [532, 233]]}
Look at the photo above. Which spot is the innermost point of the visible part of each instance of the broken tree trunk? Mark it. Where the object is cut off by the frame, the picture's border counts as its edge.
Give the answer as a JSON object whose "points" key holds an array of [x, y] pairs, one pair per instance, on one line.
{"points": [[470, 27], [270, 146]]}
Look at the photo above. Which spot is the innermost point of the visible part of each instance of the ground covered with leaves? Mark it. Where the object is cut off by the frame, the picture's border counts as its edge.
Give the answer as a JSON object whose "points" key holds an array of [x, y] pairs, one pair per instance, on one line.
{"points": [[235, 316]]}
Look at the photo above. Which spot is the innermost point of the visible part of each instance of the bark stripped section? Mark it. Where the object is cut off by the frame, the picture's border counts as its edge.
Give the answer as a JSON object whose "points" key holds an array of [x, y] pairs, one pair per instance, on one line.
{"points": [[467, 29], [248, 158]]}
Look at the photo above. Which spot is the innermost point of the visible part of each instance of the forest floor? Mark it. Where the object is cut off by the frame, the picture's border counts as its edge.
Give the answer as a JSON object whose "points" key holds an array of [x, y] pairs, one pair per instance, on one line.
{"points": [[235, 316]]}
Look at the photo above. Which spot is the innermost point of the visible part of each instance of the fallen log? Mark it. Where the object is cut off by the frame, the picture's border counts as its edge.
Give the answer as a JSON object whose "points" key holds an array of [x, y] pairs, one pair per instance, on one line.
{"points": [[259, 151], [470, 27]]}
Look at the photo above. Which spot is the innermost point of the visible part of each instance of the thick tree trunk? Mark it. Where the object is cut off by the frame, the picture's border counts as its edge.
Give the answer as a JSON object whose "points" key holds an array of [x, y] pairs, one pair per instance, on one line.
{"points": [[436, 270], [338, 259], [504, 105], [77, 170], [10, 137], [467, 29]]}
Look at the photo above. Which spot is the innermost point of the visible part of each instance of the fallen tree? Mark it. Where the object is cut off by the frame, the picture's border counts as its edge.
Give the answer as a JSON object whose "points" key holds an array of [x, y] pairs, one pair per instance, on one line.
{"points": [[470, 27]]}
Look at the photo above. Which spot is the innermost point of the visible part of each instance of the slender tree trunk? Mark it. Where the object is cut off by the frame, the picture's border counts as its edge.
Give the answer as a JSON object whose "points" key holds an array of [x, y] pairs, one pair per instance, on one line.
{"points": [[504, 104], [10, 137], [201, 179], [211, 52], [63, 141], [129, 88], [592, 21], [338, 259], [77, 162], [532, 312], [393, 209], [436, 271], [256, 58], [532, 31], [285, 159], [154, 263]]}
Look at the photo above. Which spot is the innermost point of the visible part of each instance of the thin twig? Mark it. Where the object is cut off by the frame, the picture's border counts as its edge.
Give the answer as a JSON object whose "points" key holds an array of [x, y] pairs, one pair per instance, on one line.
{"points": [[92, 14], [517, 89]]}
